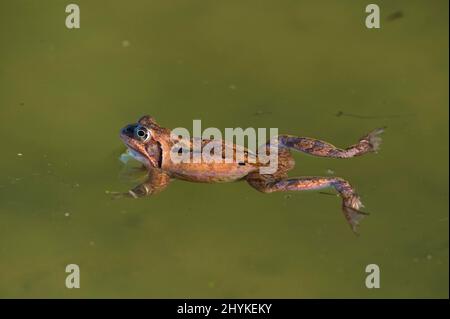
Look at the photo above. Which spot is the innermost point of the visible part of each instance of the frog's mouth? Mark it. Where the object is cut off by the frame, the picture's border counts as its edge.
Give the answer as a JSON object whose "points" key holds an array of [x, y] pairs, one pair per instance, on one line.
{"points": [[134, 148], [137, 156]]}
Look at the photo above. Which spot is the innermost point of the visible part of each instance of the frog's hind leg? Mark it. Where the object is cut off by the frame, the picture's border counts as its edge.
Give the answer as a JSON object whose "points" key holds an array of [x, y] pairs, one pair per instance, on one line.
{"points": [[351, 202], [369, 143]]}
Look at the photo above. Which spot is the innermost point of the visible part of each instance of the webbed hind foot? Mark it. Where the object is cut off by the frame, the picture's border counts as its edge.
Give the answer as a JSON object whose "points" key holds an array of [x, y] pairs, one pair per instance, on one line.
{"points": [[373, 139], [351, 209], [351, 203]]}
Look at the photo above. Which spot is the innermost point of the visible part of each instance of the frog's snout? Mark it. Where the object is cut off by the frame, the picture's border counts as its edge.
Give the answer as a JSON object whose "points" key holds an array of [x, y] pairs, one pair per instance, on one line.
{"points": [[128, 130]]}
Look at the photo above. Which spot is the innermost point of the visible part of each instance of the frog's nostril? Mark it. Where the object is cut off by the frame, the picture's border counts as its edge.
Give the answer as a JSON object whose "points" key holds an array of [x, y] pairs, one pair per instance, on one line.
{"points": [[128, 130]]}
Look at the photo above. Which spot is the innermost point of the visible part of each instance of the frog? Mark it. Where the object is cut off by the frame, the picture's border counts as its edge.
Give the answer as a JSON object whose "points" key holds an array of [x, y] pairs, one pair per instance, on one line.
{"points": [[151, 144]]}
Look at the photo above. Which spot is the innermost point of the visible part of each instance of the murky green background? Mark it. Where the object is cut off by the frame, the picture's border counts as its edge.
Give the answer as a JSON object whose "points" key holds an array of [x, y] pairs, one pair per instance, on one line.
{"points": [[64, 95]]}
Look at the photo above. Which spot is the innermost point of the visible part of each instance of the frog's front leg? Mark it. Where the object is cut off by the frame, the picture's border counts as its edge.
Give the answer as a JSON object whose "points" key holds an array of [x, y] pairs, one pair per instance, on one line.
{"points": [[350, 199], [157, 181]]}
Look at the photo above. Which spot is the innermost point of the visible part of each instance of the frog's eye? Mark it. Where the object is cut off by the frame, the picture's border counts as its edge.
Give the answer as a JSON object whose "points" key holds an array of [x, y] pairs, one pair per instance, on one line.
{"points": [[142, 133]]}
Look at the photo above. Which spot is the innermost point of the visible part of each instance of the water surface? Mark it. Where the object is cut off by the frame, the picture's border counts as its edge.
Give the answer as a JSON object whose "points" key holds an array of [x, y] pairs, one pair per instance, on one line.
{"points": [[294, 65]]}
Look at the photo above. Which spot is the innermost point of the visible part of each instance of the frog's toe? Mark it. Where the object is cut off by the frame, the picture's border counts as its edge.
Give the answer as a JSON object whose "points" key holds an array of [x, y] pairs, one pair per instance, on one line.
{"points": [[353, 217], [352, 213], [374, 139], [354, 202], [117, 195]]}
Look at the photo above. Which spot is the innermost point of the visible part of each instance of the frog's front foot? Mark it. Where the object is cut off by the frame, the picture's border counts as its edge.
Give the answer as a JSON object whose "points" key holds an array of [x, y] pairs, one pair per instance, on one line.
{"points": [[155, 183], [118, 195]]}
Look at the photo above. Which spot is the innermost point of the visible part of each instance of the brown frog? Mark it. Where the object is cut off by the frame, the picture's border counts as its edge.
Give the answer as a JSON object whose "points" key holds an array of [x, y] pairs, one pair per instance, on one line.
{"points": [[151, 144]]}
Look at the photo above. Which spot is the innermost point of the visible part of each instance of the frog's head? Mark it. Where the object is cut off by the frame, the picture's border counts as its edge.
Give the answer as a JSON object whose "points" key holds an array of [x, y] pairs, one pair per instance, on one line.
{"points": [[141, 138]]}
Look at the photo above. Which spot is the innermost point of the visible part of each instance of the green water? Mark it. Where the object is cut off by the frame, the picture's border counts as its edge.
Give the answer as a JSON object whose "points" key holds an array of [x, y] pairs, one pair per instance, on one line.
{"points": [[64, 95]]}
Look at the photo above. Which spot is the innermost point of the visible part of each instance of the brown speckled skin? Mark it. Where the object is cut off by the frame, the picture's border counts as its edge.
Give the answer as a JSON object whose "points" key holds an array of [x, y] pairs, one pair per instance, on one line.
{"points": [[154, 153]]}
